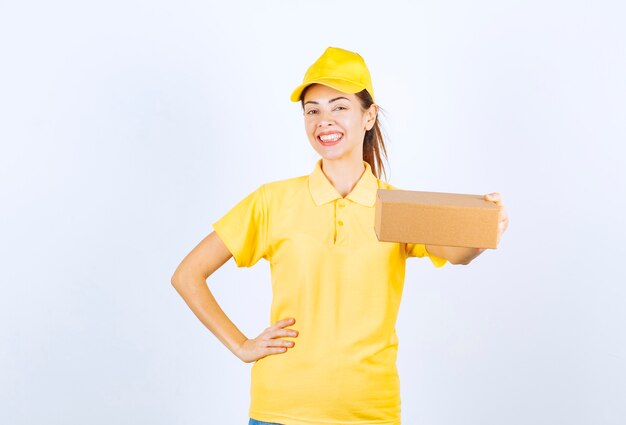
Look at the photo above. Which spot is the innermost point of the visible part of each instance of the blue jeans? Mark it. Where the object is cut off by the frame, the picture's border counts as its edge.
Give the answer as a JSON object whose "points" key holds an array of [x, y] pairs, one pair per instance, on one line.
{"points": [[255, 422]]}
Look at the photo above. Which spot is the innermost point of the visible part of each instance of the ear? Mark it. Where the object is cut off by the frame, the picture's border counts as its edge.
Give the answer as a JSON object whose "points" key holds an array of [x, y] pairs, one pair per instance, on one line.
{"points": [[370, 115]]}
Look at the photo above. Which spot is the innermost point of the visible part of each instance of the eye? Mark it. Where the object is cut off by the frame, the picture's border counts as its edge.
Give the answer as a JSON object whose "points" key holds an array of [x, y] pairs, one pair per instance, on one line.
{"points": [[342, 107], [311, 110]]}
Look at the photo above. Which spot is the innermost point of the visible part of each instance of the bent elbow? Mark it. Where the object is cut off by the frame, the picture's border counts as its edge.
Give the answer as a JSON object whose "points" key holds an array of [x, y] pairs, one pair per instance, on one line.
{"points": [[460, 262], [176, 278]]}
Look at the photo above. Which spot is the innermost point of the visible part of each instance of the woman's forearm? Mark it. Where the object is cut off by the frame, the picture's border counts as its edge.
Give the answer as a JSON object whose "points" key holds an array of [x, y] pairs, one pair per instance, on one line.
{"points": [[454, 254], [198, 296]]}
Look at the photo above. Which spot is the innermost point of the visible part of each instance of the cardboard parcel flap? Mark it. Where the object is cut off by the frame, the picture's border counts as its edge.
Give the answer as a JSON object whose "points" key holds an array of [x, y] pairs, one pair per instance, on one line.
{"points": [[436, 218]]}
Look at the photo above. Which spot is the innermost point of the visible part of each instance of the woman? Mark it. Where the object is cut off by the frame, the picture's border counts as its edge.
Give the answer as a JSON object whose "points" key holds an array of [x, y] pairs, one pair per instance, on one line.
{"points": [[331, 277]]}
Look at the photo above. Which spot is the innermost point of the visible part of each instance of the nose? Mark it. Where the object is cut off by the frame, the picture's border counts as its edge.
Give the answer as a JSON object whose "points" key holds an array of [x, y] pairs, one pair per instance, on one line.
{"points": [[324, 119]]}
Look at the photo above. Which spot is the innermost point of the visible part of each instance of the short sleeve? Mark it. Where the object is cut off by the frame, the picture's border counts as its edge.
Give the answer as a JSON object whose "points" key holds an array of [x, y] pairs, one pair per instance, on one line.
{"points": [[243, 229], [419, 250]]}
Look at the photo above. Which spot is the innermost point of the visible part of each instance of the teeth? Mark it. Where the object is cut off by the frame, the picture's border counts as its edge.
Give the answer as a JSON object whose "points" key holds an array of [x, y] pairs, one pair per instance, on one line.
{"points": [[330, 137]]}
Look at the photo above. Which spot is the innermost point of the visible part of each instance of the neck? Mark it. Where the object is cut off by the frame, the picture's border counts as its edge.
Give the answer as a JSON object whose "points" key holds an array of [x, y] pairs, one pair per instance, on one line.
{"points": [[343, 174]]}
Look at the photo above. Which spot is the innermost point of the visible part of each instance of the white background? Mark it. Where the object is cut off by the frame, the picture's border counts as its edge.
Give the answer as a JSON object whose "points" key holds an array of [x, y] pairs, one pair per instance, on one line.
{"points": [[128, 127]]}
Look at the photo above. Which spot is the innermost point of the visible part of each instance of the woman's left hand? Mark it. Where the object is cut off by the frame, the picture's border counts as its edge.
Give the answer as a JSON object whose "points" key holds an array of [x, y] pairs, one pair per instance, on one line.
{"points": [[503, 221]]}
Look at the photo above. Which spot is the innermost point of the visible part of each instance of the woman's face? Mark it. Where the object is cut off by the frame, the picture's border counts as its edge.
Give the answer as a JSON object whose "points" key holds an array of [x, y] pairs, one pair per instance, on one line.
{"points": [[335, 123]]}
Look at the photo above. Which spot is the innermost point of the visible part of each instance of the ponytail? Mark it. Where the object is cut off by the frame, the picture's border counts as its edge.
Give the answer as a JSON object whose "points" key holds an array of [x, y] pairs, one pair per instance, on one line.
{"points": [[373, 143]]}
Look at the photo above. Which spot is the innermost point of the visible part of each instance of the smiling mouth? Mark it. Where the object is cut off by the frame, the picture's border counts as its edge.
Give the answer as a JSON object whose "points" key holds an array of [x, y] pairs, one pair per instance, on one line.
{"points": [[328, 141]]}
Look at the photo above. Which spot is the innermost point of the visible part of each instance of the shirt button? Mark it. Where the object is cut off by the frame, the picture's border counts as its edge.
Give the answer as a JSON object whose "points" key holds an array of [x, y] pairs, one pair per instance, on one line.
{"points": [[341, 205], [340, 223]]}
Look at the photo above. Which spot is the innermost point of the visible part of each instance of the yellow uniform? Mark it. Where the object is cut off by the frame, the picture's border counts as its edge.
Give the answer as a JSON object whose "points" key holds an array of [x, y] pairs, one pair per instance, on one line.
{"points": [[343, 287]]}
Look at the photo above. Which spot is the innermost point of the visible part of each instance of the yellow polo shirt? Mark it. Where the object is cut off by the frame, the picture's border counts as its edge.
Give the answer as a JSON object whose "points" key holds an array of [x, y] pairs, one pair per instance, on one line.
{"points": [[343, 287]]}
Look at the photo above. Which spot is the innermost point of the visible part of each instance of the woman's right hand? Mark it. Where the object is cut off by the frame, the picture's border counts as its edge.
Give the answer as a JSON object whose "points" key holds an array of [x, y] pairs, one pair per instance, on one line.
{"points": [[267, 342]]}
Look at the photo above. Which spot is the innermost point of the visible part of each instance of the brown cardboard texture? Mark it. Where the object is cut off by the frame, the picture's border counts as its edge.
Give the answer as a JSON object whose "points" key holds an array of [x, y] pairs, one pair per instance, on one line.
{"points": [[436, 218]]}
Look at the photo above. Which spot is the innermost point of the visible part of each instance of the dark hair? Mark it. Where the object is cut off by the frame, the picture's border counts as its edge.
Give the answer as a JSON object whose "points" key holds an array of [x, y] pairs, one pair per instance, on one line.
{"points": [[373, 143]]}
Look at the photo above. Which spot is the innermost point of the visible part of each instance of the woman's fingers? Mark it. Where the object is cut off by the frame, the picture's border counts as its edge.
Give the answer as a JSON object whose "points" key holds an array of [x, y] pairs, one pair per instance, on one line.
{"points": [[272, 335], [281, 333], [285, 332], [268, 342], [493, 197], [503, 220], [280, 328], [279, 343], [282, 323]]}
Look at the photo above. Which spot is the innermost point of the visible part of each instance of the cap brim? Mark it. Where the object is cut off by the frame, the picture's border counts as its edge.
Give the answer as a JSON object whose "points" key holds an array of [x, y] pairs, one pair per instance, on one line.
{"points": [[344, 86]]}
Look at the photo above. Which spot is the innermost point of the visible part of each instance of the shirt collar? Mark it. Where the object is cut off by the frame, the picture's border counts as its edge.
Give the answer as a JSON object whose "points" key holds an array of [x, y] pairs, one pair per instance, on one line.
{"points": [[323, 191]]}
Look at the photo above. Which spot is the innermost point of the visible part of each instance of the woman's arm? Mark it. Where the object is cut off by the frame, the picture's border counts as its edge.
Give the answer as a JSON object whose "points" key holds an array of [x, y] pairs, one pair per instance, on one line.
{"points": [[454, 254], [461, 255], [189, 279]]}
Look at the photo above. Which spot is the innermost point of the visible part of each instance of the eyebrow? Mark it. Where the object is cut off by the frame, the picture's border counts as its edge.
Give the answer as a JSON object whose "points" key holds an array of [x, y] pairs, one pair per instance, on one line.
{"points": [[330, 101]]}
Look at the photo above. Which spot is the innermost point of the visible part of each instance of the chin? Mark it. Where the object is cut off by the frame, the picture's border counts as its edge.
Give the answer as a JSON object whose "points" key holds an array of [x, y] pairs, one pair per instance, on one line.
{"points": [[331, 155], [332, 152]]}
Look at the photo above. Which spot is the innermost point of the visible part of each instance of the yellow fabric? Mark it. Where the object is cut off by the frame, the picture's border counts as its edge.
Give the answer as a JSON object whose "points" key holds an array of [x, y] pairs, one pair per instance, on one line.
{"points": [[340, 69], [343, 287]]}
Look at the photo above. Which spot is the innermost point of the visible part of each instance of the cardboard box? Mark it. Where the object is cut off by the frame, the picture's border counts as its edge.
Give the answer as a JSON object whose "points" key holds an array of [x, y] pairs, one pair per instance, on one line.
{"points": [[436, 218]]}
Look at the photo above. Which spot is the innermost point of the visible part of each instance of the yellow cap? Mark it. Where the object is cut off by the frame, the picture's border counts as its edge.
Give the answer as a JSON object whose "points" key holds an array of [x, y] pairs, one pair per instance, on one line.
{"points": [[340, 69]]}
